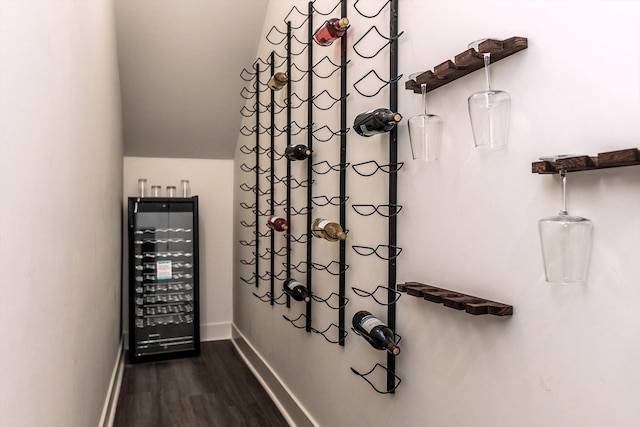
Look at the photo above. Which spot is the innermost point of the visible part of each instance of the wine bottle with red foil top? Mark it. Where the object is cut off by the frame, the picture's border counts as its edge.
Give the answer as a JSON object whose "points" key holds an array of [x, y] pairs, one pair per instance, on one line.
{"points": [[297, 152], [278, 81], [377, 121], [328, 230], [296, 290], [277, 223], [330, 31], [375, 332]]}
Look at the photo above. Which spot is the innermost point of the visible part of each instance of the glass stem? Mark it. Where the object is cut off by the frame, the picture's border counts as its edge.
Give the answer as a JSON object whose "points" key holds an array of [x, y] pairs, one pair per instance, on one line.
{"points": [[423, 87], [487, 61], [563, 205]]}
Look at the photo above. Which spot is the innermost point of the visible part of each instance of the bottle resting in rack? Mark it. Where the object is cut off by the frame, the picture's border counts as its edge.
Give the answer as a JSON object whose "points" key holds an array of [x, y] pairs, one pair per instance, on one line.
{"points": [[330, 31], [297, 152], [278, 81], [380, 120], [375, 332], [277, 223], [329, 230], [296, 290]]}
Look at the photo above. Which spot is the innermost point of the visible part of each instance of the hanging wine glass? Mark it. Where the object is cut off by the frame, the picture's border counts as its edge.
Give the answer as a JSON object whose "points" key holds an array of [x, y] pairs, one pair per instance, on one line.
{"points": [[566, 243], [425, 131], [489, 110]]}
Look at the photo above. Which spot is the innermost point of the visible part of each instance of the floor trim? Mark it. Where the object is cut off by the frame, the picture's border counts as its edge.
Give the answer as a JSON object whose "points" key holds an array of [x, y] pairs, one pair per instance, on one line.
{"points": [[111, 401], [215, 331], [289, 406]]}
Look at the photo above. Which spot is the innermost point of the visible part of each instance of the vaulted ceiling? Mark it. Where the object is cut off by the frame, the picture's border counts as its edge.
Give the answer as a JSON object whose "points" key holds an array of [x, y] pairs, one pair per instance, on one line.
{"points": [[180, 64]]}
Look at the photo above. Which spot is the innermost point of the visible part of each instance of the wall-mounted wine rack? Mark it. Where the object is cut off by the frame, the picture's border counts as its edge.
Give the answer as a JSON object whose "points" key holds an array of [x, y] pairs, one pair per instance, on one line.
{"points": [[289, 48], [294, 47], [370, 85]]}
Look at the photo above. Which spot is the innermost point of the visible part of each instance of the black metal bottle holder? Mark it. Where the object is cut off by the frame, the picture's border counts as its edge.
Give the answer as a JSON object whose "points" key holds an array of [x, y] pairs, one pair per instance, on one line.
{"points": [[386, 252], [325, 68]]}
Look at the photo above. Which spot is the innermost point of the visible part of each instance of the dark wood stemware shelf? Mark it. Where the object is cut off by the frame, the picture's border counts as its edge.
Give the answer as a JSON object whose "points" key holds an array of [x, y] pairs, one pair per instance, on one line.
{"points": [[455, 300], [467, 62], [610, 159]]}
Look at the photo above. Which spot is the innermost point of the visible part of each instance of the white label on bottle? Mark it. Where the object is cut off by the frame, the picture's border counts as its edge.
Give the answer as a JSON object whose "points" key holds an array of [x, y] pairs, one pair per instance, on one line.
{"points": [[323, 224], [369, 322], [163, 269], [365, 130], [292, 284]]}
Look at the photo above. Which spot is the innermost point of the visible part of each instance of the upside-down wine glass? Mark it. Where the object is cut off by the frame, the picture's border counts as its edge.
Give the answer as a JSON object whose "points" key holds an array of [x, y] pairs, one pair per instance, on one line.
{"points": [[425, 131], [566, 244], [489, 110]]}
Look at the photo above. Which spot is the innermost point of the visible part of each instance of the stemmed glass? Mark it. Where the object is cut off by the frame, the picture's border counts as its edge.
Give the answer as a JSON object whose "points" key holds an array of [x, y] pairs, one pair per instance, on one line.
{"points": [[425, 131], [489, 110], [566, 243]]}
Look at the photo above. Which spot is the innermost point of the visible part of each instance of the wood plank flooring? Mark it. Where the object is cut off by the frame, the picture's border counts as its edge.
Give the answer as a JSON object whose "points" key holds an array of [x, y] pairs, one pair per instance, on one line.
{"points": [[215, 389]]}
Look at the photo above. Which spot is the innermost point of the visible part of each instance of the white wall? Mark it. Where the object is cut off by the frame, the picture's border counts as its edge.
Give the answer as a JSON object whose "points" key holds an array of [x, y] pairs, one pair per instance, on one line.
{"points": [[61, 169], [568, 355], [212, 182]]}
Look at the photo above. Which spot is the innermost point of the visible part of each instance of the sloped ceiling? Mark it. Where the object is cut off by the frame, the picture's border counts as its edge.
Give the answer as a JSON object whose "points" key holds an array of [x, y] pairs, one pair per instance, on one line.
{"points": [[180, 64]]}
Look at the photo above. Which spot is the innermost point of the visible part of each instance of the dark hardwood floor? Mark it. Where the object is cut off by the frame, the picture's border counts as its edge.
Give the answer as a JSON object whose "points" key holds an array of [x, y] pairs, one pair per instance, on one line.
{"points": [[214, 389]]}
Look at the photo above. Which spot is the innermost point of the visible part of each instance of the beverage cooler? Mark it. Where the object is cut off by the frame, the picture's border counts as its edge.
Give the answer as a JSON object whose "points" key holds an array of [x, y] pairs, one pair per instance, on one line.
{"points": [[163, 278]]}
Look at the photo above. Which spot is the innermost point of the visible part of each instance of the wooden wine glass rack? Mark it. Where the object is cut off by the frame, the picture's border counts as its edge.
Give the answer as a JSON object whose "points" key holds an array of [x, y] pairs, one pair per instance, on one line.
{"points": [[609, 159], [456, 300], [466, 62]]}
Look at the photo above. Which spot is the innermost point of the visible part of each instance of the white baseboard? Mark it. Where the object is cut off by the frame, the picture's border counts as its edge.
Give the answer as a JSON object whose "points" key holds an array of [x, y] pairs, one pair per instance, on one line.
{"points": [[291, 409], [111, 400], [215, 331]]}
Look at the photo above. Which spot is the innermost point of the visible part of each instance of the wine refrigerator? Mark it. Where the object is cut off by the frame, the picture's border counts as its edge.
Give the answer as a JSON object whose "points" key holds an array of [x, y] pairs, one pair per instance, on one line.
{"points": [[163, 278]]}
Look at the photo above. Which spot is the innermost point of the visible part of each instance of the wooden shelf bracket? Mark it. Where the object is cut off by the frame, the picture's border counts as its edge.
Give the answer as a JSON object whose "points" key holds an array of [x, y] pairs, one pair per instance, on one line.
{"points": [[466, 63], [452, 299]]}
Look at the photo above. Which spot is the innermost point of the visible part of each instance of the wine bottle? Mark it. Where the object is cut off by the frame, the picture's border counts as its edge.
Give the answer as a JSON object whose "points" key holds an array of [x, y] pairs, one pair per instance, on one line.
{"points": [[330, 31], [297, 152], [329, 230], [296, 290], [380, 120], [375, 332], [277, 223], [278, 81]]}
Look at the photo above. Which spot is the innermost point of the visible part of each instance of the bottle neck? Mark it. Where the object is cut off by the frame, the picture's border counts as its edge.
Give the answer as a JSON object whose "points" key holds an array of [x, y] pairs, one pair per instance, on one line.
{"points": [[393, 349], [342, 23], [390, 116]]}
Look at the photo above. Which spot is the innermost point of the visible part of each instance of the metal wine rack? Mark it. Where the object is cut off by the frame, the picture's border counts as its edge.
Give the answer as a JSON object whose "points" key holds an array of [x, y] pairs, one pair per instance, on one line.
{"points": [[290, 49], [370, 85]]}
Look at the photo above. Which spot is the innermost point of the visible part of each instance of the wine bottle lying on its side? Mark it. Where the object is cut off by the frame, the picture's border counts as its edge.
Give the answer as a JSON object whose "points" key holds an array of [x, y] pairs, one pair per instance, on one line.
{"points": [[297, 152], [330, 31], [328, 230], [374, 122], [278, 81], [277, 223], [296, 290], [375, 332]]}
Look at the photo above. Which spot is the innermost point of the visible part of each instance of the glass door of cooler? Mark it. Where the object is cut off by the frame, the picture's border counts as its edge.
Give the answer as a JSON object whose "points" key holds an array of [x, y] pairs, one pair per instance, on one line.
{"points": [[163, 278]]}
